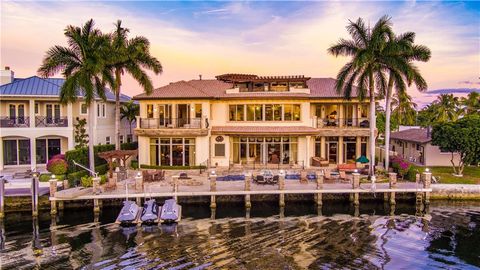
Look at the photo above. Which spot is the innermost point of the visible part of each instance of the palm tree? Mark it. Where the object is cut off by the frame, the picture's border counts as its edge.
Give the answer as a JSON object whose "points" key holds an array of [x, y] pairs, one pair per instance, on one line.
{"points": [[131, 56], [405, 109], [403, 46], [447, 108], [367, 67], [129, 111], [471, 103], [83, 66]]}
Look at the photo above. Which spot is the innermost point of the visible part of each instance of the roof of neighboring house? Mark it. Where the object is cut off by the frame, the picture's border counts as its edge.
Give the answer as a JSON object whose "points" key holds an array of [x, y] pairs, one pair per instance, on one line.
{"points": [[419, 135], [44, 87], [217, 130], [216, 89]]}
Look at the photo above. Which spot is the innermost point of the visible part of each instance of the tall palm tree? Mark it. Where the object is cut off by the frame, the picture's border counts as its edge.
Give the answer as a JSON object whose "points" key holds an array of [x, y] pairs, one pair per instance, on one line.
{"points": [[471, 103], [129, 111], [130, 56], [367, 67], [404, 109], [82, 63], [447, 108], [399, 77]]}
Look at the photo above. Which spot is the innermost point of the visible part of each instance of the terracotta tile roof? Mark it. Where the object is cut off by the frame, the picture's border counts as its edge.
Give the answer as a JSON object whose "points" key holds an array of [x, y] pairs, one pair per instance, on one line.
{"points": [[258, 130], [419, 135], [216, 89]]}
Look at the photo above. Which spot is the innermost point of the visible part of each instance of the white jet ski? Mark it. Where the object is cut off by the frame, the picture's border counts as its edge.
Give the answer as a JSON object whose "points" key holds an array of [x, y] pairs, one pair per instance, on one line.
{"points": [[129, 213], [150, 212], [170, 211]]}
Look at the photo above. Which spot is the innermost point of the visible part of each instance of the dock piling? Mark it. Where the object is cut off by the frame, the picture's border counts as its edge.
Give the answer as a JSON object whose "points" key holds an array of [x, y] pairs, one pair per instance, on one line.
{"points": [[392, 177], [427, 181], [175, 185], [281, 186], [96, 185], [319, 197], [248, 204], [139, 201], [96, 206], [213, 188], [53, 190], [139, 182], [356, 185], [34, 192], [2, 196], [65, 184]]}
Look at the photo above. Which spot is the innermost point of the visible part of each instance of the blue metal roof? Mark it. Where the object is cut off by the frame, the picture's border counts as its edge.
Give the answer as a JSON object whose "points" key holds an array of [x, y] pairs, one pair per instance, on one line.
{"points": [[36, 86]]}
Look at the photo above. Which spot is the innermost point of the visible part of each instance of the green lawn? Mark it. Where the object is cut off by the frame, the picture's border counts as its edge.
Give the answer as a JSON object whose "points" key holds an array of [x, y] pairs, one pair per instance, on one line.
{"points": [[471, 175]]}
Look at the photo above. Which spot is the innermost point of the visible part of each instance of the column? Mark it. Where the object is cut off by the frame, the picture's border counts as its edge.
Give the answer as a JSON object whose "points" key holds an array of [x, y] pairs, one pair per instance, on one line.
{"points": [[70, 114], [340, 150], [355, 115], [341, 115], [33, 155], [31, 112], [358, 147], [1, 153], [322, 147], [307, 152]]}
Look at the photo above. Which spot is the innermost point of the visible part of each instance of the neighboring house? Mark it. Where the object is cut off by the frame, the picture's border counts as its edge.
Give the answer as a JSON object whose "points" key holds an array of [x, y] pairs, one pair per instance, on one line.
{"points": [[35, 126], [251, 120], [415, 146]]}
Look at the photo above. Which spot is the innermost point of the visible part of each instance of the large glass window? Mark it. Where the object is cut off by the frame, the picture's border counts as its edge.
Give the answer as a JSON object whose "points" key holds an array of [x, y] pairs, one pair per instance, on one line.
{"points": [[172, 151], [198, 110], [149, 110], [262, 150], [277, 112], [273, 112], [46, 149], [16, 152]]}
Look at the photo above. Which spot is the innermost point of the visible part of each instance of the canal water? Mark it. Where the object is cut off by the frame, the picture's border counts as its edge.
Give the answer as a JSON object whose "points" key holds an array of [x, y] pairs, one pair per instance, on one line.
{"points": [[300, 236]]}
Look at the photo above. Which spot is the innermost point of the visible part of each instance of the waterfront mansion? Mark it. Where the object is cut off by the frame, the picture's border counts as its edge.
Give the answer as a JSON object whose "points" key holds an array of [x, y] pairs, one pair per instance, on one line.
{"points": [[250, 120], [34, 126]]}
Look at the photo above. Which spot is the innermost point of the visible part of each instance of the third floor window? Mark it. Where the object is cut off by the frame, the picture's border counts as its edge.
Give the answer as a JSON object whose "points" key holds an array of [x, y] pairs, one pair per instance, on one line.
{"points": [[264, 112]]}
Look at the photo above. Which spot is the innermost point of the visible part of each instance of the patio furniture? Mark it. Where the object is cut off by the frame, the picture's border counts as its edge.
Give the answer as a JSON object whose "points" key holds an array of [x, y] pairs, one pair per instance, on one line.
{"points": [[274, 179], [347, 167], [25, 174], [158, 175], [259, 179], [147, 176], [319, 162], [183, 175]]}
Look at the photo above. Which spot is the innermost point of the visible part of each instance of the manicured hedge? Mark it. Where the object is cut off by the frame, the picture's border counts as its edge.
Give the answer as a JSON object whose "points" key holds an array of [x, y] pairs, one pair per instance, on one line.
{"points": [[129, 146], [144, 166], [45, 177], [134, 164], [81, 156]]}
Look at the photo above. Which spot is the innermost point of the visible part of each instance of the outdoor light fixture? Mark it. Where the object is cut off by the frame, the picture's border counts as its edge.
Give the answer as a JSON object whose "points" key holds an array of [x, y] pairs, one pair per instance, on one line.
{"points": [[427, 170], [355, 171], [213, 173], [53, 176], [35, 174], [139, 174]]}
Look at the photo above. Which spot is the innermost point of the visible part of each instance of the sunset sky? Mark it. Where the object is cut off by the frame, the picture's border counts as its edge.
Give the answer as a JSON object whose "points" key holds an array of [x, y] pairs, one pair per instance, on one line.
{"points": [[264, 38]]}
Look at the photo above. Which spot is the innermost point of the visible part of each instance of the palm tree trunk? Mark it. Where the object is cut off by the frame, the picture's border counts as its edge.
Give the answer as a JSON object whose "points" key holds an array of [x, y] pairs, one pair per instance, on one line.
{"points": [[91, 137], [388, 112], [372, 127], [117, 109]]}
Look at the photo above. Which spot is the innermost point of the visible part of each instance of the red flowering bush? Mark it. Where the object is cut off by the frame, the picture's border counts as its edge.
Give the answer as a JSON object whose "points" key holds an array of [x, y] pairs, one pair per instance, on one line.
{"points": [[57, 166]]}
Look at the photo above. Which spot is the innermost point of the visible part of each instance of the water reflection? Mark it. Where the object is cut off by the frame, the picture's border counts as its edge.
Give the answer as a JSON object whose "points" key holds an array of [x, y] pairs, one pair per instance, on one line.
{"points": [[332, 236]]}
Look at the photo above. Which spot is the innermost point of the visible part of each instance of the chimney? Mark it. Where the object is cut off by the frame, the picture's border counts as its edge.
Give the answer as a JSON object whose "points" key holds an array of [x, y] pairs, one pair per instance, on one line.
{"points": [[6, 76], [200, 76]]}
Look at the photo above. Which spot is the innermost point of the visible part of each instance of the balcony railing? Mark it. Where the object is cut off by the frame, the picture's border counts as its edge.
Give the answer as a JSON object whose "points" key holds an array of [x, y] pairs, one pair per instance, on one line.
{"points": [[153, 123], [342, 122], [6, 122], [43, 121]]}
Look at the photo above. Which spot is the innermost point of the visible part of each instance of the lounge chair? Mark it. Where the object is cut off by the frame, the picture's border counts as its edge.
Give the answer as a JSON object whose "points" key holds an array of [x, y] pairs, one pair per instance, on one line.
{"points": [[274, 180], [147, 176], [159, 175], [319, 162], [259, 179]]}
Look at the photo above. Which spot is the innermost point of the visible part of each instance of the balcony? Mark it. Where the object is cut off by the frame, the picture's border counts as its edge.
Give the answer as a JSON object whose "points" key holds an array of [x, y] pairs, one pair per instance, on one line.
{"points": [[172, 127], [43, 121], [15, 122], [343, 122]]}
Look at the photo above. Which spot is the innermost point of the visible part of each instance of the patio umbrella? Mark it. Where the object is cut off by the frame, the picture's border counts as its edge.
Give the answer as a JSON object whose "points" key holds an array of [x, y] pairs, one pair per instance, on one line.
{"points": [[362, 159]]}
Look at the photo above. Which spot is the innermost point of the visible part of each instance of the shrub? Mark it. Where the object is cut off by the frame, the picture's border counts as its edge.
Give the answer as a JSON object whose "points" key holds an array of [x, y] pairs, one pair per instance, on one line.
{"points": [[411, 174], [87, 181], [129, 146], [45, 177], [57, 166], [80, 156], [134, 164], [76, 176]]}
